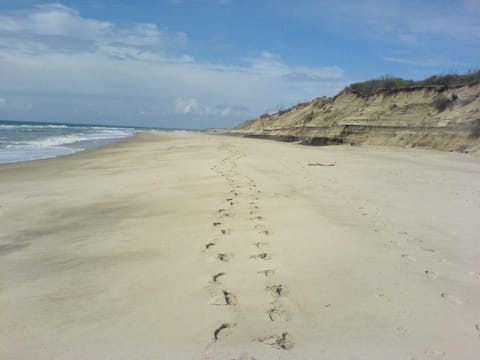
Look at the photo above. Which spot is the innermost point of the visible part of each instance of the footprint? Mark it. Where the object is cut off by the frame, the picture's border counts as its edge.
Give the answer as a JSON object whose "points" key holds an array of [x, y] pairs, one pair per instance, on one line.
{"points": [[209, 245], [436, 354], [221, 210], [223, 257], [282, 342], [265, 232], [216, 276], [262, 256], [257, 218], [428, 249], [226, 231], [452, 298], [276, 290], [401, 330], [217, 223], [258, 244], [230, 299], [408, 257], [431, 274], [477, 327], [278, 314], [222, 330], [267, 273]]}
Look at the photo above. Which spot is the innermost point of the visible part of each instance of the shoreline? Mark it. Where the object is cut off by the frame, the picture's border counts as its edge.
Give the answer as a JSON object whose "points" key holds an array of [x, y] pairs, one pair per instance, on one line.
{"points": [[107, 144], [190, 245]]}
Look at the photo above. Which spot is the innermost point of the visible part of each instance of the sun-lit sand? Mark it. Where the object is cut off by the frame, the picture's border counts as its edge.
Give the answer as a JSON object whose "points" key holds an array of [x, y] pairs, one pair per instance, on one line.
{"points": [[195, 246]]}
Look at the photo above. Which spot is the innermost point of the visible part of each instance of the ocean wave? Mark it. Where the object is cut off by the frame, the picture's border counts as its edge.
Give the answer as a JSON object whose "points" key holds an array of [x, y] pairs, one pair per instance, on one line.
{"points": [[52, 141], [25, 141], [31, 126]]}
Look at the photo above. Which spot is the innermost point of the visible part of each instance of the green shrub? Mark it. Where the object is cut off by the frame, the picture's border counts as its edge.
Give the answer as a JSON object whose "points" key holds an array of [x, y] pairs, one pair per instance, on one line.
{"points": [[387, 82], [441, 102]]}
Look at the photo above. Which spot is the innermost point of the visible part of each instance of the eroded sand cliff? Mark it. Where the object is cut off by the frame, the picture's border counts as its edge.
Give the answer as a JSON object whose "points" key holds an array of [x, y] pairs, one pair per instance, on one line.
{"points": [[438, 117]]}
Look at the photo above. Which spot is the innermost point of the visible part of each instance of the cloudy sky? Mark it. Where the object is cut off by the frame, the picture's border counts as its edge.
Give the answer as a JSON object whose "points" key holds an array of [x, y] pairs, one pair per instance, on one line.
{"points": [[209, 63]]}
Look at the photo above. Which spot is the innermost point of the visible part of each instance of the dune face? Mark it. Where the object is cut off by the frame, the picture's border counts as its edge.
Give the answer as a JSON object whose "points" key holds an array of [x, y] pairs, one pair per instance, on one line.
{"points": [[443, 118], [193, 246]]}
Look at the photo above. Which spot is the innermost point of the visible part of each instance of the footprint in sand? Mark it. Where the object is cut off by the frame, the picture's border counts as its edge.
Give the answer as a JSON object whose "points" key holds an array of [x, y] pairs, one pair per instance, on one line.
{"points": [[276, 290], [257, 218], [408, 257], [431, 274], [281, 342], [401, 330], [223, 257], [260, 227], [435, 354], [452, 298], [267, 272], [229, 298], [262, 256], [259, 244], [278, 314], [209, 245], [217, 276], [222, 330]]}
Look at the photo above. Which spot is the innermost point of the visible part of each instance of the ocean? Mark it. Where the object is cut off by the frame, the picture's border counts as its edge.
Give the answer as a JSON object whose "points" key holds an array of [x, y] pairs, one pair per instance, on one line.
{"points": [[24, 141]]}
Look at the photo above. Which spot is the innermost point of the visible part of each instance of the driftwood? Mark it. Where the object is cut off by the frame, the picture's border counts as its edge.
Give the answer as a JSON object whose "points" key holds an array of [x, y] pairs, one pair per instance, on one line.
{"points": [[320, 164]]}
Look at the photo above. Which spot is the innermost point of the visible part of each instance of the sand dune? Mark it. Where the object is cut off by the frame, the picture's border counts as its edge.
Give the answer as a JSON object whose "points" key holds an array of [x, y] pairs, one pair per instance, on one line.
{"points": [[194, 246]]}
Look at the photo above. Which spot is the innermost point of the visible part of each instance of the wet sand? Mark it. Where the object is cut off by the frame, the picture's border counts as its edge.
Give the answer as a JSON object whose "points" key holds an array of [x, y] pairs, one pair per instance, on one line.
{"points": [[195, 246]]}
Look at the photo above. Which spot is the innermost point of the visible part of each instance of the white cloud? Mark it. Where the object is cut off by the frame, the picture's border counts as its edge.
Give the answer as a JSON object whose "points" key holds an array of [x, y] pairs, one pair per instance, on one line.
{"points": [[70, 67], [193, 106], [57, 27], [271, 65], [186, 106], [432, 62]]}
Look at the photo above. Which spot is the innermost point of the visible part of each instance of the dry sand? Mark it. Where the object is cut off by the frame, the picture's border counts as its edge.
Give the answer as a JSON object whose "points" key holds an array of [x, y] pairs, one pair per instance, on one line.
{"points": [[103, 254]]}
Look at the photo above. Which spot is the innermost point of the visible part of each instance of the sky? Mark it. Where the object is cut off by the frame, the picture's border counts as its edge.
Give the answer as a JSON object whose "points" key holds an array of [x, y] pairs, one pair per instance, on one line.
{"points": [[215, 63]]}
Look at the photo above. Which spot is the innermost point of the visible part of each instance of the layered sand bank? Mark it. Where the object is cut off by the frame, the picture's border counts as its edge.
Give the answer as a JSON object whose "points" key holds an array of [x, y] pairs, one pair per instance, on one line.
{"points": [[192, 246]]}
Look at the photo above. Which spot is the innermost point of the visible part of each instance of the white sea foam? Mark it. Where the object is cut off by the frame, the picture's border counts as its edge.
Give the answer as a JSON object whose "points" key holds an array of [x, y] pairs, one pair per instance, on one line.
{"points": [[53, 141], [24, 142]]}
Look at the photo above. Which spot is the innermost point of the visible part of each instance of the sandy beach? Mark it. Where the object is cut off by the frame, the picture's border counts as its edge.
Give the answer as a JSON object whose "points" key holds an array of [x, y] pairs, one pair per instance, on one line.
{"points": [[197, 246]]}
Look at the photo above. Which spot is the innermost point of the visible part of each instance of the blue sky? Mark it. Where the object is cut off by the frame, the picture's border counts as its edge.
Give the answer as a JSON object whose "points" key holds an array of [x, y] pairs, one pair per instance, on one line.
{"points": [[215, 63]]}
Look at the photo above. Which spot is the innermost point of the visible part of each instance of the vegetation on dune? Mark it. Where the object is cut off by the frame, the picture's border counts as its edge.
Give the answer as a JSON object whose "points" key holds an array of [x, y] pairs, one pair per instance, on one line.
{"points": [[389, 83], [441, 102]]}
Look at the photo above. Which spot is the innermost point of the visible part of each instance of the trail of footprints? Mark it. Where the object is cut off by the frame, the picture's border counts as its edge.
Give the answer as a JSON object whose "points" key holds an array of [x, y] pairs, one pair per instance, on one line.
{"points": [[275, 311]]}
